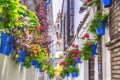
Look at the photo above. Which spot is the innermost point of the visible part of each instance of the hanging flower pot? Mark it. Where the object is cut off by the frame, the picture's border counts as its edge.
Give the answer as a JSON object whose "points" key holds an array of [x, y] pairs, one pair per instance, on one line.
{"points": [[6, 44], [74, 74], [74, 65], [78, 60], [101, 28], [0, 19], [22, 64], [67, 74], [36, 64], [94, 52], [107, 3], [22, 55], [40, 69]]}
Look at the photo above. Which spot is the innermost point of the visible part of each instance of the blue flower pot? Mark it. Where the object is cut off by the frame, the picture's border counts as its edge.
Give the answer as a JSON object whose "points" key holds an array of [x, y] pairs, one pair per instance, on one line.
{"points": [[36, 64], [40, 70], [107, 3], [74, 65], [22, 64], [74, 74], [22, 55], [6, 44], [94, 51], [101, 30], [0, 19], [79, 60], [67, 75]]}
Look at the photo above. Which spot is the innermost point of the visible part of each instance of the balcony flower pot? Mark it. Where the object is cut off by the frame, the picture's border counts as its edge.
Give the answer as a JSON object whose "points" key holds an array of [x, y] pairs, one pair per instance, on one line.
{"points": [[6, 44], [40, 70], [36, 64], [67, 75], [74, 65], [0, 19], [74, 74], [107, 3], [101, 30], [78, 60], [22, 55], [94, 51]]}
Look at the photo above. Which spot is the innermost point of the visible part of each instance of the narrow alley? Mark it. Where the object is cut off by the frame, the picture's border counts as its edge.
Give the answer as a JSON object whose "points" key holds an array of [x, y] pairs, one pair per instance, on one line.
{"points": [[59, 39]]}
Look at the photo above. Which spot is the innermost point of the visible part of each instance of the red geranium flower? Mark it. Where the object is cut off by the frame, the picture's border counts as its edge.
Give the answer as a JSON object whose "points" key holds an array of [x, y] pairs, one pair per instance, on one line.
{"points": [[77, 52], [86, 36], [76, 46], [75, 57], [62, 63], [89, 0], [73, 45], [39, 28], [88, 43]]}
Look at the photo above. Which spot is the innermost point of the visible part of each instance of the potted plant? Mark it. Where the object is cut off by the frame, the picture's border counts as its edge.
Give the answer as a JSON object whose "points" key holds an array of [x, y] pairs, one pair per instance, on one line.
{"points": [[78, 60], [65, 72], [74, 71], [6, 44], [36, 64], [88, 49], [22, 55], [51, 71], [107, 3], [98, 23], [94, 51]]}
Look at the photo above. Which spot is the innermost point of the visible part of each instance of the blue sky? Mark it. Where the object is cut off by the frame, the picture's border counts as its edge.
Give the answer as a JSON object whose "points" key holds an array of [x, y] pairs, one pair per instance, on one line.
{"points": [[57, 5]]}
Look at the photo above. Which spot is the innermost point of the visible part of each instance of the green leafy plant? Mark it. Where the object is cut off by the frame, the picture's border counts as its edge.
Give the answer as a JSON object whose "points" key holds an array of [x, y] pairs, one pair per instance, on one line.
{"points": [[86, 53], [99, 16], [51, 71], [69, 59]]}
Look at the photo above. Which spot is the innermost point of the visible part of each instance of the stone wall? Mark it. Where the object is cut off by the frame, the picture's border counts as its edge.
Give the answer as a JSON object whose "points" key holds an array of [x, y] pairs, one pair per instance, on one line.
{"points": [[114, 44]]}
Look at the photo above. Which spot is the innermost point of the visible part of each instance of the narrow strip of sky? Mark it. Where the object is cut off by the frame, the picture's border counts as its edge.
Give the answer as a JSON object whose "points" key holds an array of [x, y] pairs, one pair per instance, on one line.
{"points": [[57, 5]]}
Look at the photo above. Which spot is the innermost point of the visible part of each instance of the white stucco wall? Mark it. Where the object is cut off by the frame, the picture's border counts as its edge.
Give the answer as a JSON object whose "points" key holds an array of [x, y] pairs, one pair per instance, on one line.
{"points": [[84, 69], [106, 62]]}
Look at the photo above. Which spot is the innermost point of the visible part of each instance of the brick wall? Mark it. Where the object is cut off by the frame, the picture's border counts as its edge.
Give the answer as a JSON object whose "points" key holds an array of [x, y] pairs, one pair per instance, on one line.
{"points": [[114, 44]]}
